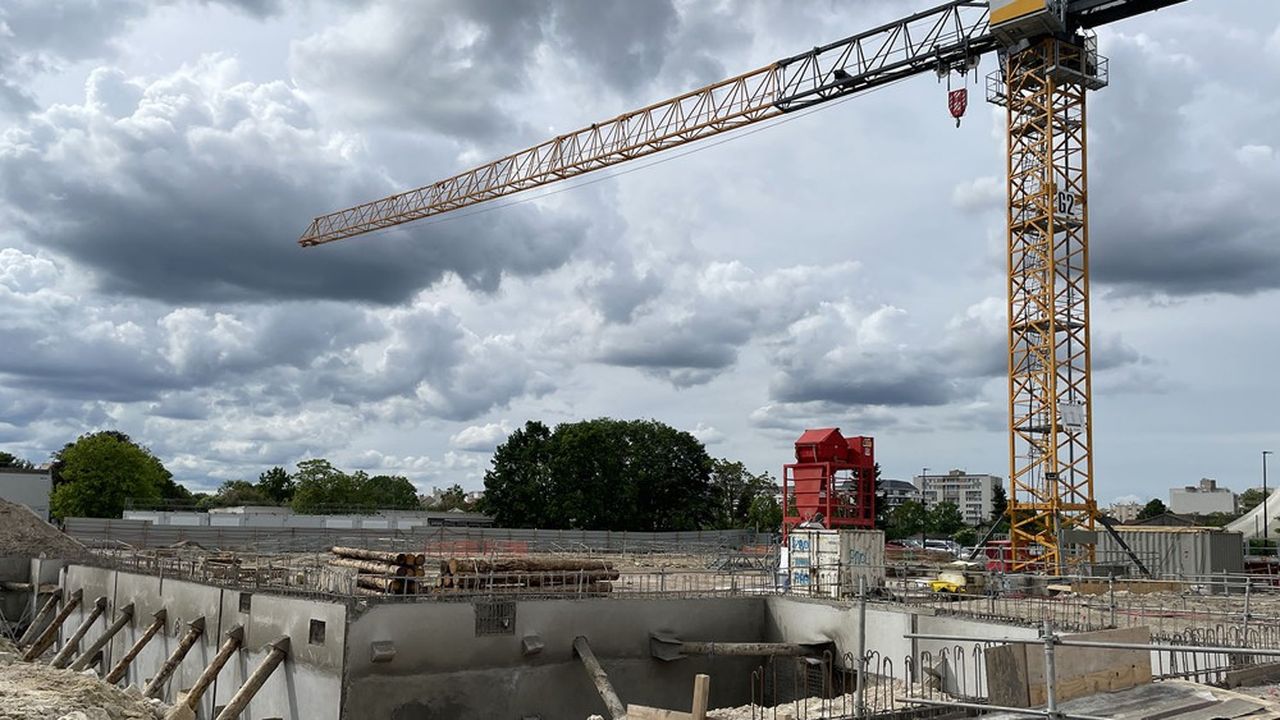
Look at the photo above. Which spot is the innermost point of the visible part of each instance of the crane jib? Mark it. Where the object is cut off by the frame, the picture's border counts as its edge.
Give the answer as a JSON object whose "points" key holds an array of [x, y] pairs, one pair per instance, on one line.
{"points": [[947, 37]]}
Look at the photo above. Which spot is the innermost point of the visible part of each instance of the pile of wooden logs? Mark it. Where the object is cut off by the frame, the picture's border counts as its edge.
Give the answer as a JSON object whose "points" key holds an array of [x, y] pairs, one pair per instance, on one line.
{"points": [[381, 572], [543, 574]]}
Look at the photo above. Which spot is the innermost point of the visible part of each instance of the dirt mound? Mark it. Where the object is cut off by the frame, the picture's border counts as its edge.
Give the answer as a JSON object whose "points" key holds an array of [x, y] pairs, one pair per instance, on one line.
{"points": [[39, 692], [22, 534]]}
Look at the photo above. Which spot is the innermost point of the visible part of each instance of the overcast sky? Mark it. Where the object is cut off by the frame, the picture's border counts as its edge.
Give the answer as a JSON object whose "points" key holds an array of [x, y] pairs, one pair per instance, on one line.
{"points": [[159, 159]]}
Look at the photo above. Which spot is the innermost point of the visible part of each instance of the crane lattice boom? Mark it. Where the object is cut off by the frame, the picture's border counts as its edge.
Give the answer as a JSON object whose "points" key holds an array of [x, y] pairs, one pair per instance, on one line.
{"points": [[948, 34]]}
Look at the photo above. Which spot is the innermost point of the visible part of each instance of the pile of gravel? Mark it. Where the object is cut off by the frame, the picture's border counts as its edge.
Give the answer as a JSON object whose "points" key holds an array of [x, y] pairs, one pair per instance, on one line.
{"points": [[23, 534], [39, 692]]}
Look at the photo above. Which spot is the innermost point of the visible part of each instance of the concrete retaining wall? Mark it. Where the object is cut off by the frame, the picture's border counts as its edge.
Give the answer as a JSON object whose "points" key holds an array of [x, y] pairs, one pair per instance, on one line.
{"points": [[442, 669], [308, 685], [423, 660]]}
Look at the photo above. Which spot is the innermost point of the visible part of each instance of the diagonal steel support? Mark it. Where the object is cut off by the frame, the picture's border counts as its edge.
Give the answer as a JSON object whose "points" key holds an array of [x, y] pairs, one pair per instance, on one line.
{"points": [[117, 672], [64, 653], [194, 630], [255, 681], [123, 617], [50, 633]]}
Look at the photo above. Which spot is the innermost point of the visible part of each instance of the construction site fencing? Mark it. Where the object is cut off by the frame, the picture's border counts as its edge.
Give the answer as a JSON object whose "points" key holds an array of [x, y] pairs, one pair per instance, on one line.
{"points": [[436, 541]]}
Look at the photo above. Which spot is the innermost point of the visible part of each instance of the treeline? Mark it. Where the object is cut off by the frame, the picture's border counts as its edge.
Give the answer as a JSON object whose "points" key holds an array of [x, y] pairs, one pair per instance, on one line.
{"points": [[316, 487], [608, 474], [101, 473], [601, 474]]}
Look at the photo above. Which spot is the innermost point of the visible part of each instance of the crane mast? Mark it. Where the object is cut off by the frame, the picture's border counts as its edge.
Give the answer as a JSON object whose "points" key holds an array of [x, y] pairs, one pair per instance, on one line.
{"points": [[1048, 64], [1044, 88]]}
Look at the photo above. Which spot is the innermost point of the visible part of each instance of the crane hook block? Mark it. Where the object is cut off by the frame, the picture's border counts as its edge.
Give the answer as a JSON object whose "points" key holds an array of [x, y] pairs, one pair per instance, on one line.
{"points": [[957, 103]]}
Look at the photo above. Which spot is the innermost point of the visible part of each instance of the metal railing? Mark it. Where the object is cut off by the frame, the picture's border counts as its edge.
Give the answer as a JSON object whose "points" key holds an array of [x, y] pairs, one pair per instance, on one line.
{"points": [[953, 678], [312, 576], [436, 540]]}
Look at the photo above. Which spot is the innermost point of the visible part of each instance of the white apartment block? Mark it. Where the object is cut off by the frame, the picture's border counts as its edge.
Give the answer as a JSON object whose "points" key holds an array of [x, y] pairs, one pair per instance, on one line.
{"points": [[895, 492], [1125, 512], [971, 493], [1202, 499]]}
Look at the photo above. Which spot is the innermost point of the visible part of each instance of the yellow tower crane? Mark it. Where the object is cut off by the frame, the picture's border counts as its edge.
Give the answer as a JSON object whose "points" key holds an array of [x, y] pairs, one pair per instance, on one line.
{"points": [[1048, 63]]}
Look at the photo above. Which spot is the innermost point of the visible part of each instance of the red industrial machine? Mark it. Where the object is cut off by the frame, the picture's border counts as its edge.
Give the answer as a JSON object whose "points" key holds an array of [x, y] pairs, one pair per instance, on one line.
{"points": [[833, 476]]}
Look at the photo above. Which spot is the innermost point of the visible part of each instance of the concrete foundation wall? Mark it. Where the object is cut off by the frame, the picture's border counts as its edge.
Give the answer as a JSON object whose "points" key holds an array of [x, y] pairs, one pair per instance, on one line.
{"points": [[307, 685], [433, 660], [442, 669], [801, 620]]}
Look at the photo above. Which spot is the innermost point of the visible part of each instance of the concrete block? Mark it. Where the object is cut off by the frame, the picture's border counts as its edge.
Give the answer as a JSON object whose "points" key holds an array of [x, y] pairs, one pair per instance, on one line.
{"points": [[382, 651], [1016, 673], [531, 645]]}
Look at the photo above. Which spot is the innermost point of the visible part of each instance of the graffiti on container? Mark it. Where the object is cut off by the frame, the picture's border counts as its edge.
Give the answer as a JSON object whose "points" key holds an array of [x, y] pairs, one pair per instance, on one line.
{"points": [[857, 557]]}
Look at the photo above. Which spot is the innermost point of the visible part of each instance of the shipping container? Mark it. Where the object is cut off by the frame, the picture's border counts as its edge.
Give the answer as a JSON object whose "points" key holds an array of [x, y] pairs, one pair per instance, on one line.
{"points": [[831, 562], [862, 556], [1181, 552]]}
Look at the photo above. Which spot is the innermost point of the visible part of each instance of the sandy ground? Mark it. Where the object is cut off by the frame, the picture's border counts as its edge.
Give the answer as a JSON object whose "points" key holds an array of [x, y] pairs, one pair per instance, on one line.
{"points": [[38, 692], [881, 695]]}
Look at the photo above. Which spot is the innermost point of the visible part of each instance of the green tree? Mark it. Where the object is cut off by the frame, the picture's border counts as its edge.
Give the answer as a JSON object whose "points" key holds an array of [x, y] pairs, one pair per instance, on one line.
{"points": [[1250, 499], [1216, 519], [1154, 508], [517, 485], [908, 519], [235, 492], [999, 504], [277, 484], [386, 492], [945, 519], [966, 537], [734, 489], [9, 460], [100, 471], [765, 514], [320, 487], [601, 474]]}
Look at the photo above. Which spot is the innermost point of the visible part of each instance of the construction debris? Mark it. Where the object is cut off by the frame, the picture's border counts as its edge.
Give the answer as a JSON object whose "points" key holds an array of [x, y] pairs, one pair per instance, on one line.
{"points": [[39, 692], [23, 534]]}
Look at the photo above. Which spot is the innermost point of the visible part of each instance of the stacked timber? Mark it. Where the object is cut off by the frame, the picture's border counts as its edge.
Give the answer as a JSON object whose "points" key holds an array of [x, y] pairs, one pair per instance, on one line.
{"points": [[538, 574], [381, 572]]}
